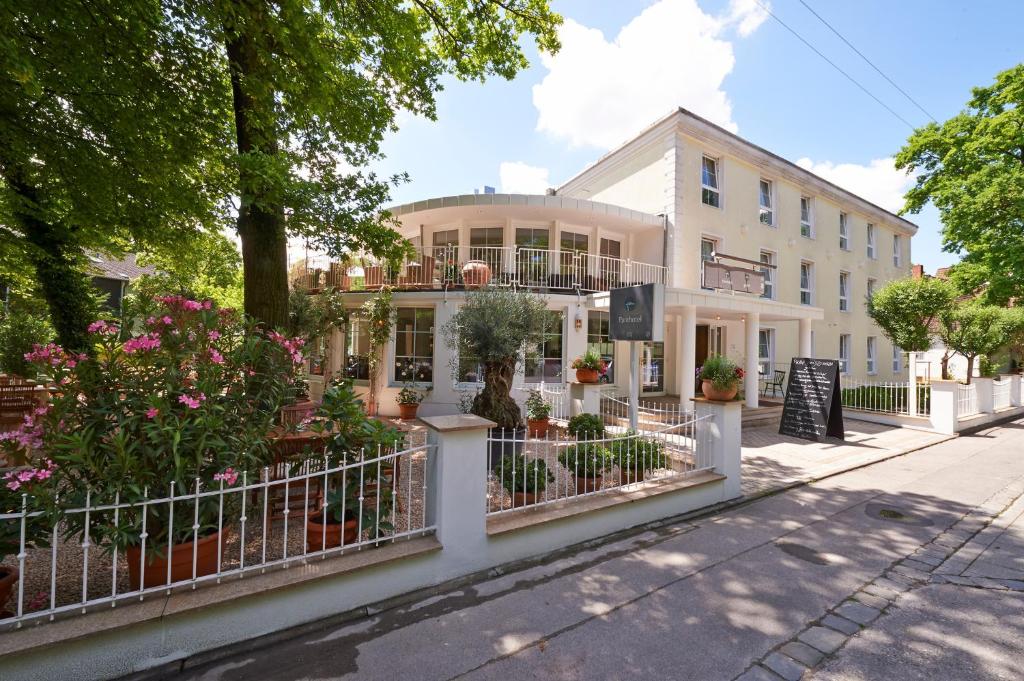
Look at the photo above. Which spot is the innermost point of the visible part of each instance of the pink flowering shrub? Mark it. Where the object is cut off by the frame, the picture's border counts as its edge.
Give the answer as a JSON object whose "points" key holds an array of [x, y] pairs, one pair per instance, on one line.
{"points": [[190, 394]]}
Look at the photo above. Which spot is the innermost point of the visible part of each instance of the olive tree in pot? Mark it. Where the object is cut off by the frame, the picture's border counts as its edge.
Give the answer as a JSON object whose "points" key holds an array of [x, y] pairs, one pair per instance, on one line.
{"points": [[495, 326]]}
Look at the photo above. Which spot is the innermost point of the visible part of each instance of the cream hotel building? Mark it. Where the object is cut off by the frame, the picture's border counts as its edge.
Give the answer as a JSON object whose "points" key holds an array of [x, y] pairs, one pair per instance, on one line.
{"points": [[761, 261]]}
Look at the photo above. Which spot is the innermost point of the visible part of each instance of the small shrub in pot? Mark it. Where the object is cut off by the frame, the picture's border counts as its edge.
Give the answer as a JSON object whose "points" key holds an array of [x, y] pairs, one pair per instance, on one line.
{"points": [[524, 479], [586, 427]]}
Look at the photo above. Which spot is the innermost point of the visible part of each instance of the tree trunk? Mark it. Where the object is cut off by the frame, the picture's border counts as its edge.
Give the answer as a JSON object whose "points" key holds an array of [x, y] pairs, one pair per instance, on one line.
{"points": [[261, 223], [945, 366], [970, 368], [495, 401]]}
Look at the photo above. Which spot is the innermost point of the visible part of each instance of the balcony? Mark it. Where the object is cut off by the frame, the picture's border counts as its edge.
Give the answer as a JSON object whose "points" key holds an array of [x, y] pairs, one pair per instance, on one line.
{"points": [[459, 267]]}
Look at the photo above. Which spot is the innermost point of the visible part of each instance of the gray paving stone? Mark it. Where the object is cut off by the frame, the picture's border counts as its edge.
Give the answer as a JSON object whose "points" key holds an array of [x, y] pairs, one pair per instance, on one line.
{"points": [[803, 653], [882, 591], [824, 639], [858, 612], [872, 600], [929, 558], [840, 624], [957, 579], [917, 565], [784, 666], [908, 570], [894, 582], [989, 583], [1014, 584], [953, 566], [758, 674]]}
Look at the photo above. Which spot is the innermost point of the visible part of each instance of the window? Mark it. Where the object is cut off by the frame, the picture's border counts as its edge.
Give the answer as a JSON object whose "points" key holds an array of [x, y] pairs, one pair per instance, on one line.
{"points": [[806, 283], [897, 256], [844, 232], [871, 287], [871, 241], [897, 360], [872, 342], [611, 254], [448, 237], [707, 254], [844, 291], [532, 264], [598, 340], [544, 363], [765, 352], [709, 194], [767, 213], [570, 244], [485, 244], [844, 353], [806, 217], [414, 345], [652, 367], [768, 258], [357, 350]]}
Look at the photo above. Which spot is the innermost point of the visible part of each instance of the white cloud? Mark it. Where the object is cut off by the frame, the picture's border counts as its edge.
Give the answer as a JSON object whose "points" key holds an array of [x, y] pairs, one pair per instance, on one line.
{"points": [[519, 178], [599, 92], [879, 181]]}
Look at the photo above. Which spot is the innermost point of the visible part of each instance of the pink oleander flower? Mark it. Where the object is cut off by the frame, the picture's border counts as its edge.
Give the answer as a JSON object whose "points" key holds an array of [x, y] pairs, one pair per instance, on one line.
{"points": [[230, 476], [152, 412], [151, 321], [216, 357], [191, 305], [213, 335], [207, 304], [192, 402], [150, 342]]}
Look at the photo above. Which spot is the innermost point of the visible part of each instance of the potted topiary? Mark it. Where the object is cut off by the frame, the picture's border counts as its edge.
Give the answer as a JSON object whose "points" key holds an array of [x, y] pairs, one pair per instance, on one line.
{"points": [[524, 479], [588, 367], [586, 427], [720, 378], [495, 326], [408, 402], [537, 412], [635, 455], [587, 463]]}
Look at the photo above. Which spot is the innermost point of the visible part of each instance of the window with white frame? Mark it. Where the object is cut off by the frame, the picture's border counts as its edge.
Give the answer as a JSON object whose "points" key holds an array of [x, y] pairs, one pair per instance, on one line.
{"points": [[544, 363], [765, 352], [708, 247], [767, 215], [414, 345], [871, 241], [844, 291], [806, 283], [844, 231], [357, 350], [872, 285], [806, 217], [768, 258], [872, 343], [897, 246], [709, 190], [844, 353], [447, 237], [599, 340], [897, 360], [485, 243]]}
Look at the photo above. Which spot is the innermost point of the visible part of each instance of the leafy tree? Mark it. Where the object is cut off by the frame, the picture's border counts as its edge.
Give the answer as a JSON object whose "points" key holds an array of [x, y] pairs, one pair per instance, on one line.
{"points": [[109, 133], [314, 88], [971, 168], [973, 329], [206, 266], [20, 329], [907, 310]]}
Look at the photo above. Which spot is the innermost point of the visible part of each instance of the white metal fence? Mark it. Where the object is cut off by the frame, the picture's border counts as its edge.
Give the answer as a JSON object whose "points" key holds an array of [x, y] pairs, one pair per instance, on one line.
{"points": [[967, 399], [885, 397], [615, 411], [537, 471], [374, 498], [1001, 393], [555, 394]]}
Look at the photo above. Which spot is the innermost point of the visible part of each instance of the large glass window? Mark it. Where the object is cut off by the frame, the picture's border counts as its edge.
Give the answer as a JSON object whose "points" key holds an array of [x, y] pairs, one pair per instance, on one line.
{"points": [[652, 367], [897, 360], [448, 237], [571, 243], [611, 262], [485, 243], [806, 217], [532, 256], [767, 215], [766, 352], [414, 345], [709, 182], [357, 350], [844, 353], [768, 258], [598, 340], [844, 232], [872, 358], [870, 233], [844, 291], [871, 288], [806, 283], [897, 250], [544, 363], [707, 253]]}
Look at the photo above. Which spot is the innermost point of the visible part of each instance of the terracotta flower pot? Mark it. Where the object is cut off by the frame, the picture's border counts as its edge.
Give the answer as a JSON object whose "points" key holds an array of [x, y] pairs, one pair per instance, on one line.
{"points": [[711, 393], [520, 499], [587, 375], [8, 578], [317, 539], [538, 427], [155, 572], [407, 412], [476, 273], [588, 484]]}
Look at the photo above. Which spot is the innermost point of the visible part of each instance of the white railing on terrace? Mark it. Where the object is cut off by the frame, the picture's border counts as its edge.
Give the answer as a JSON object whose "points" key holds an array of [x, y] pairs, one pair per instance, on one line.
{"points": [[884, 397], [527, 472], [967, 400], [1001, 393], [615, 411], [385, 492], [555, 394]]}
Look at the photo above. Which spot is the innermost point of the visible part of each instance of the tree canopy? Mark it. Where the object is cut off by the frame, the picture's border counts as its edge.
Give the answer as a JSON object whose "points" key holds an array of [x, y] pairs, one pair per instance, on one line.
{"points": [[907, 310], [975, 329], [971, 168]]}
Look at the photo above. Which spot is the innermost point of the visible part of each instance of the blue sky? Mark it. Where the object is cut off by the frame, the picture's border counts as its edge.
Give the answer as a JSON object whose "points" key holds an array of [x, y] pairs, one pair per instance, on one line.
{"points": [[726, 60]]}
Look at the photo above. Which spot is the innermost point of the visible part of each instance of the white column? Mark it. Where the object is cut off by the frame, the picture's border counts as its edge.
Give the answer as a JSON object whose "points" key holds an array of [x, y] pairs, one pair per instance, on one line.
{"points": [[912, 383], [687, 354], [805, 338], [1015, 394], [720, 437], [943, 414], [750, 386]]}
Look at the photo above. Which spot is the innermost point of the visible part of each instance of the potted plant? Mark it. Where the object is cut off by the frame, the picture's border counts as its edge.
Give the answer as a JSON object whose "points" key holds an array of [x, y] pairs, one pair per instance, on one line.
{"points": [[589, 367], [408, 402], [635, 455], [524, 479], [586, 427], [720, 378], [537, 412], [180, 405], [587, 463], [495, 326]]}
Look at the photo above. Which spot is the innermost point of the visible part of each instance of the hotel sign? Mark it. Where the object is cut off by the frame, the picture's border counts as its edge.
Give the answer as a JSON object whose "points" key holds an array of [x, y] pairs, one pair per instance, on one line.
{"points": [[731, 278], [637, 313]]}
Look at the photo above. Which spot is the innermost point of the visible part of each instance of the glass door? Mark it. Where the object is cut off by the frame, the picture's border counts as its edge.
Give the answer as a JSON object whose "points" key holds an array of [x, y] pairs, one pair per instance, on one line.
{"points": [[652, 368]]}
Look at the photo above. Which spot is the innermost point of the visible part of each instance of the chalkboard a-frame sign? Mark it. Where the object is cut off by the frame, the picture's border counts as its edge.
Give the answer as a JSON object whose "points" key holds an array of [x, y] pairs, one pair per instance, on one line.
{"points": [[814, 407]]}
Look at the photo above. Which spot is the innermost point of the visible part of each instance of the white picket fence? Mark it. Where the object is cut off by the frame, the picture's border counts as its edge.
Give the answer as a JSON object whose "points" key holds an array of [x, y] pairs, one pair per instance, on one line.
{"points": [[885, 397], [1001, 393]]}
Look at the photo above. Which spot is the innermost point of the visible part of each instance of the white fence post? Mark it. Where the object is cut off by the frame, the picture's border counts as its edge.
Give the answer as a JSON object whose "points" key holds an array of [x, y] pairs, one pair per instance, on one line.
{"points": [[457, 481], [1015, 396], [984, 387], [944, 406], [586, 398], [722, 436], [912, 385]]}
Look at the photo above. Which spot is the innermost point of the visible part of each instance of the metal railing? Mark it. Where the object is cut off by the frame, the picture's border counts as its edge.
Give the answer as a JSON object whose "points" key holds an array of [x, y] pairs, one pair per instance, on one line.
{"points": [[967, 400], [555, 394], [1001, 393], [651, 415], [529, 472], [383, 496], [885, 397]]}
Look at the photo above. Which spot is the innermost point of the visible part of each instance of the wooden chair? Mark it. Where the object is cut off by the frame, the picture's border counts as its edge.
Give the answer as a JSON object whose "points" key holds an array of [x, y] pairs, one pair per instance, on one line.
{"points": [[777, 381]]}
